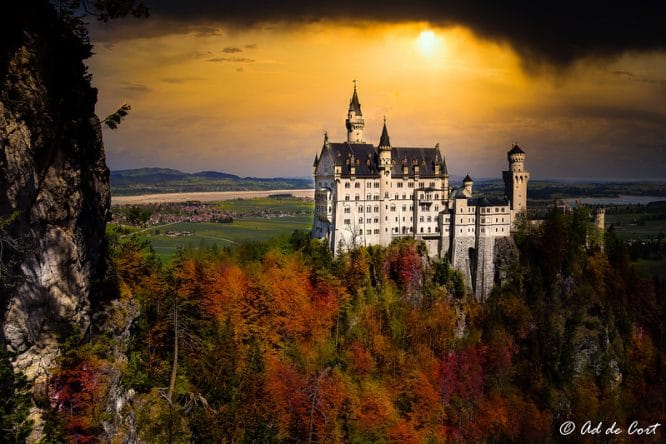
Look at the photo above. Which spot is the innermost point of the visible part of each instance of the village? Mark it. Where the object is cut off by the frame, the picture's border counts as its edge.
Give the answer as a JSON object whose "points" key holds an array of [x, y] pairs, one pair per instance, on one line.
{"points": [[194, 211]]}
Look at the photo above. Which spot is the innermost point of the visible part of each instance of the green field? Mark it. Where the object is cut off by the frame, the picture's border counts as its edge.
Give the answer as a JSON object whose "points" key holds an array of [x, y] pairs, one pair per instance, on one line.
{"points": [[209, 234], [631, 226]]}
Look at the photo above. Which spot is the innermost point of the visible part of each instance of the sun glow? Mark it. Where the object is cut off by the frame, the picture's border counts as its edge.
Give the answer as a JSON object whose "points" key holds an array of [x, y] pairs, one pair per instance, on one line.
{"points": [[428, 42]]}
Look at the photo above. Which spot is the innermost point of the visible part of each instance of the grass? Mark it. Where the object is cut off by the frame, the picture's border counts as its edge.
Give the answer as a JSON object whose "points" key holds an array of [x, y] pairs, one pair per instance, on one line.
{"points": [[652, 267], [209, 234], [629, 226]]}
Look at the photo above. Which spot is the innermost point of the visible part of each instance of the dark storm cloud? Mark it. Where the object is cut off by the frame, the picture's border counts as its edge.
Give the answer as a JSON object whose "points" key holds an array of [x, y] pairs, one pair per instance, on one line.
{"points": [[134, 87], [231, 50], [231, 59], [180, 80], [553, 32], [636, 78]]}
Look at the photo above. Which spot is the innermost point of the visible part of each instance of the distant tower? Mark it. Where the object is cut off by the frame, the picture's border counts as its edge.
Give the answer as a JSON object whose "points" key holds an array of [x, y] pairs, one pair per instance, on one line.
{"points": [[354, 120], [600, 222], [515, 182], [384, 183], [467, 186]]}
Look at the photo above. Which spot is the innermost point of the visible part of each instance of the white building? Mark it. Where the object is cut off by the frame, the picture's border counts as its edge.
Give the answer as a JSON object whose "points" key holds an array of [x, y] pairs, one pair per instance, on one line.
{"points": [[370, 195]]}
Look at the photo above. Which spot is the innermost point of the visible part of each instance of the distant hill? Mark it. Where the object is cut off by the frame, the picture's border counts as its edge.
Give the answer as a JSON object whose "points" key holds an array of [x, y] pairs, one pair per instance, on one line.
{"points": [[167, 180]]}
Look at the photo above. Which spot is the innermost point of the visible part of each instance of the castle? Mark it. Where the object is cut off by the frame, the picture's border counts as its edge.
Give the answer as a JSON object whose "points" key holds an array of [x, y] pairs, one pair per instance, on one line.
{"points": [[370, 195]]}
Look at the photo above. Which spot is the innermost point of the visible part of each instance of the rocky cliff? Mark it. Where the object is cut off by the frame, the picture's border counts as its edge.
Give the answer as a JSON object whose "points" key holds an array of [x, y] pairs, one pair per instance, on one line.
{"points": [[54, 192]]}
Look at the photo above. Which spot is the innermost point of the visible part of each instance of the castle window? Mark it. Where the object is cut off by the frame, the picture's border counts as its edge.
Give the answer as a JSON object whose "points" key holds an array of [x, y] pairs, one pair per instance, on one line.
{"points": [[496, 220], [436, 196], [347, 221], [376, 230], [369, 220], [410, 184], [376, 208], [436, 228], [369, 196], [399, 184], [421, 229], [421, 184], [397, 197], [360, 220], [436, 207], [429, 229], [386, 195], [357, 197], [357, 185], [346, 196], [420, 218], [346, 184], [360, 209], [392, 207], [347, 210], [376, 196], [404, 208], [376, 220], [396, 219], [360, 231], [429, 218]]}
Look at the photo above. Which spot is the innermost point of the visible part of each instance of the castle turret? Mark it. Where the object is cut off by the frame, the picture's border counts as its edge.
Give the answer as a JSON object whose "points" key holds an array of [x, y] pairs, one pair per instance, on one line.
{"points": [[385, 181], [385, 149], [515, 182], [354, 122], [600, 224], [467, 186]]}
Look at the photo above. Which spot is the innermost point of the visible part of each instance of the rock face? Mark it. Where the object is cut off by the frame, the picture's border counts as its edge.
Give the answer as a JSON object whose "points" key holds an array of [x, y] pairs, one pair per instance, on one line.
{"points": [[53, 179]]}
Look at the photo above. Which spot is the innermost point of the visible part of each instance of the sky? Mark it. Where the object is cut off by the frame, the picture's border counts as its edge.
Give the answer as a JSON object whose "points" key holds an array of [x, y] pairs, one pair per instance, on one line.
{"points": [[251, 88]]}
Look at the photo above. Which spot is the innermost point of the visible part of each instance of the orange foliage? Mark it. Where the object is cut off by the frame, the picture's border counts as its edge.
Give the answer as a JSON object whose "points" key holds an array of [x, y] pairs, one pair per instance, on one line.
{"points": [[360, 359]]}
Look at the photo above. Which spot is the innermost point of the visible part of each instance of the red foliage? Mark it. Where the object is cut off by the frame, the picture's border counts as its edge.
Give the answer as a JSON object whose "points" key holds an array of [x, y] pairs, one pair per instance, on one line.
{"points": [[77, 395], [403, 263]]}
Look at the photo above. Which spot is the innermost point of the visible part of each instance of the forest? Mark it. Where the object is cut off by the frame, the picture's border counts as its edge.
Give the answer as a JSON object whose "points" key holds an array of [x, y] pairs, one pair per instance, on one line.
{"points": [[280, 342]]}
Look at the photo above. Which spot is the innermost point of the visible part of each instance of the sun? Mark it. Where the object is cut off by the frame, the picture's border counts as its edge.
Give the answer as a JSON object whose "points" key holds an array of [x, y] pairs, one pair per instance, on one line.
{"points": [[427, 42]]}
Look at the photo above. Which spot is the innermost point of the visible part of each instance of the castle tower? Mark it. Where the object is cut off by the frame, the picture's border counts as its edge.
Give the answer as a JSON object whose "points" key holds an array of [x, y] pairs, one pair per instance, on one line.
{"points": [[600, 224], [515, 182], [354, 120], [384, 166], [467, 186]]}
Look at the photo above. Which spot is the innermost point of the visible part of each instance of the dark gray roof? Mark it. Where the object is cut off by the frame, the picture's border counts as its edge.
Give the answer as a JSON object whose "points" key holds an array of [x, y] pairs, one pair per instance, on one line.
{"points": [[488, 201], [354, 104], [516, 150], [365, 158], [384, 139], [467, 179]]}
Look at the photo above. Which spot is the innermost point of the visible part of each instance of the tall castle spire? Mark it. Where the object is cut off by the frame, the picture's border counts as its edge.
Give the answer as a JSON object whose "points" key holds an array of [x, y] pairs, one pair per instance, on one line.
{"points": [[384, 141], [354, 120]]}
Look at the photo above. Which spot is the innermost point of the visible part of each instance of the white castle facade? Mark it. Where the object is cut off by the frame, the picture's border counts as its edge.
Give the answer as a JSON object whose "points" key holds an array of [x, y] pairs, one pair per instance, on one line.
{"points": [[369, 195]]}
